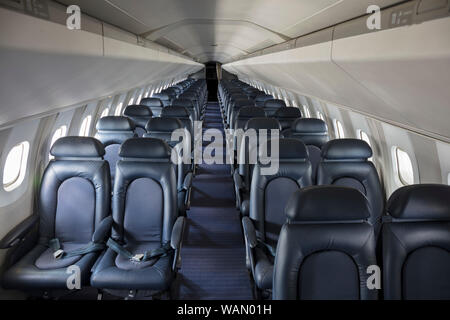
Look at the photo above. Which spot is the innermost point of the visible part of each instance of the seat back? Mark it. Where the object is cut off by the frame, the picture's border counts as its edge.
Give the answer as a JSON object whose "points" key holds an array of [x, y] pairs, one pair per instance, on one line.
{"points": [[165, 98], [344, 163], [154, 104], [189, 105], [235, 105], [162, 128], [139, 115], [325, 247], [286, 116], [75, 191], [272, 105], [182, 114], [416, 244], [144, 201], [246, 113], [313, 133], [112, 131], [260, 99], [246, 144], [269, 193]]}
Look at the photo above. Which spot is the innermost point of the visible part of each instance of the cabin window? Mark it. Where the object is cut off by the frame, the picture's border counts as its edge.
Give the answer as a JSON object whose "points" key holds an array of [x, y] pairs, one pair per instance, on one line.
{"points": [[59, 133], [104, 113], [320, 116], [404, 166], [139, 99], [118, 111], [448, 179], [306, 112], [365, 137], [85, 126], [130, 102], [15, 166], [151, 93], [339, 129]]}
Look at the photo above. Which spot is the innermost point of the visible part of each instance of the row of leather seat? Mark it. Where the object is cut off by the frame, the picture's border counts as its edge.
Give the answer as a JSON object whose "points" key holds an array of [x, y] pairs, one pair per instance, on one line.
{"points": [[124, 234], [328, 250], [127, 243], [139, 121], [306, 158]]}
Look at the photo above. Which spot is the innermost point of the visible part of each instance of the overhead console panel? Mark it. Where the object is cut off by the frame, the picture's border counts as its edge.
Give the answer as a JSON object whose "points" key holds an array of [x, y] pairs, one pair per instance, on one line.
{"points": [[399, 73]]}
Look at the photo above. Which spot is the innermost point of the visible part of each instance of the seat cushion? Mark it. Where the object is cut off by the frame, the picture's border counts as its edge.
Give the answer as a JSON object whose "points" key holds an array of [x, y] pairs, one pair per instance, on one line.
{"points": [[115, 273], [25, 274]]}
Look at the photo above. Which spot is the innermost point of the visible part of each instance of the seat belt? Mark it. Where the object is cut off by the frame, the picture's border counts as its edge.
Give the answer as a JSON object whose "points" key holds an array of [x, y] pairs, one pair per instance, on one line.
{"points": [[139, 257], [59, 253]]}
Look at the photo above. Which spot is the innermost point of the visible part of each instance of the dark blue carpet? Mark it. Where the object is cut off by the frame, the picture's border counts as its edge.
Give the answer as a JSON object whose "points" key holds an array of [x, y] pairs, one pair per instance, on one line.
{"points": [[213, 254]]}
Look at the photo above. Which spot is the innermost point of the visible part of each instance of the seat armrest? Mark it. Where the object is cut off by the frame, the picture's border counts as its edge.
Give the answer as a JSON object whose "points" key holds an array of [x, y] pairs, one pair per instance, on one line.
{"points": [[177, 233], [245, 205], [238, 180], [19, 232], [103, 229], [187, 183], [249, 232]]}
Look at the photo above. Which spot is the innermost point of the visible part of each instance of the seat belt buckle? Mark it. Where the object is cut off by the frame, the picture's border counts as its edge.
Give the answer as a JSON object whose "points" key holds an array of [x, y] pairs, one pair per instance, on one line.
{"points": [[58, 254], [137, 257]]}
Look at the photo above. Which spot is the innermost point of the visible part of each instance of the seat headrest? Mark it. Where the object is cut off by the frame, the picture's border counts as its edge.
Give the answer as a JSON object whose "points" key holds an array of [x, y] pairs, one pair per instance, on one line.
{"points": [[77, 147], [420, 201], [309, 126], [263, 97], [161, 96], [327, 203], [137, 111], [115, 123], [151, 102], [288, 112], [175, 112], [346, 149], [243, 103], [287, 149], [182, 103], [163, 125], [274, 103], [189, 95], [262, 123], [251, 112], [145, 148]]}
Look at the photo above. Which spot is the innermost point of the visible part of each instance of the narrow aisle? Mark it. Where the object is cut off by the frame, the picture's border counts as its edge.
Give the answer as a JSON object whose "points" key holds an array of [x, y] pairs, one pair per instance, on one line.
{"points": [[213, 254]]}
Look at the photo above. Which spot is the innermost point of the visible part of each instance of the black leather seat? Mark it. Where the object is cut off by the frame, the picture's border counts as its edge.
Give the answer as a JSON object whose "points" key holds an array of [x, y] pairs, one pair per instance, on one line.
{"points": [[74, 206], [112, 131], [268, 197], [235, 105], [165, 98], [260, 99], [154, 104], [146, 234], [272, 105], [242, 176], [139, 115], [286, 116], [344, 163], [313, 133], [325, 247], [189, 105], [416, 244], [162, 128]]}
